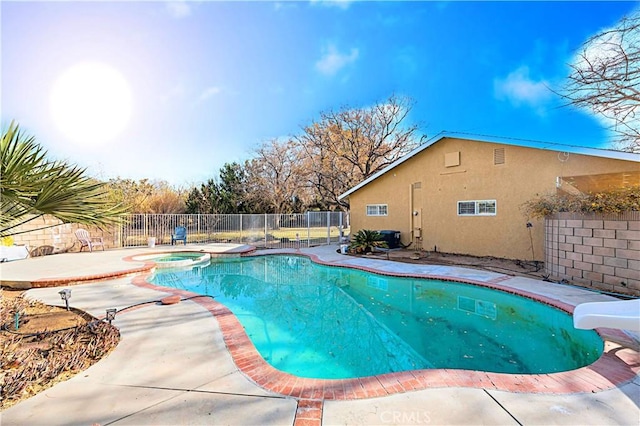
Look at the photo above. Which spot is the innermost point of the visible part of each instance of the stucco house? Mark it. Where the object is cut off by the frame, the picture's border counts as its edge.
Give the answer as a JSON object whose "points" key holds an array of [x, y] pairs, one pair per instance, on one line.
{"points": [[459, 195]]}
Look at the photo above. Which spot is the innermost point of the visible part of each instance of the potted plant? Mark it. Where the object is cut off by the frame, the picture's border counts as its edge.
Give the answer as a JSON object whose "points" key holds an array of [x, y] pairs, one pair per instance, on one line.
{"points": [[365, 241]]}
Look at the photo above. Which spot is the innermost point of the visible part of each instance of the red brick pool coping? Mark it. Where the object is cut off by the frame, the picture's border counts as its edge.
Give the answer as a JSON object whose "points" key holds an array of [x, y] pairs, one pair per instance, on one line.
{"points": [[147, 266], [83, 279], [617, 365]]}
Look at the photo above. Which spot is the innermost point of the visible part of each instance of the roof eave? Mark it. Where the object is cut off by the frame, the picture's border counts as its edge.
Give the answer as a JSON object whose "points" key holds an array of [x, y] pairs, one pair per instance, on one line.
{"points": [[548, 146], [391, 166]]}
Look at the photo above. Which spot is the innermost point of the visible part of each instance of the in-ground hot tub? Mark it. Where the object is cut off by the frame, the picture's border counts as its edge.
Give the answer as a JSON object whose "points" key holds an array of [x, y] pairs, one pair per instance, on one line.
{"points": [[175, 259]]}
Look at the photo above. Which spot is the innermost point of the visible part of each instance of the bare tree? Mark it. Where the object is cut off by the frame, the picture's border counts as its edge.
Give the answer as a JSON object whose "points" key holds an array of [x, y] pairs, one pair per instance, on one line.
{"points": [[350, 145], [313, 169], [275, 177], [146, 196], [167, 199], [605, 78]]}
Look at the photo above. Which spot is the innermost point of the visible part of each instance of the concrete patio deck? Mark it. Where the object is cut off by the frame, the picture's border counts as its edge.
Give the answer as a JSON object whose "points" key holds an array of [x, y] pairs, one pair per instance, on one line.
{"points": [[173, 365], [70, 268]]}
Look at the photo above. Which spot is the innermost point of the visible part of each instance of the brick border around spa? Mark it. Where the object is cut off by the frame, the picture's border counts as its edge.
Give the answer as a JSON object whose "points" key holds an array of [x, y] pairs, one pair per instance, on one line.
{"points": [[84, 279], [616, 366]]}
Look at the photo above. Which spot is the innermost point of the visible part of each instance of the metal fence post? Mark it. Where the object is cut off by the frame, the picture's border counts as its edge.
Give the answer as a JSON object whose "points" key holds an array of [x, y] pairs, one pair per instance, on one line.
{"points": [[119, 233], [328, 228], [265, 230], [308, 228]]}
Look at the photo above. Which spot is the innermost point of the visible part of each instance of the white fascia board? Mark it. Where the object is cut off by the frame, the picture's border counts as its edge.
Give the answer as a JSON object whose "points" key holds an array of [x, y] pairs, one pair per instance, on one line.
{"points": [[549, 146]]}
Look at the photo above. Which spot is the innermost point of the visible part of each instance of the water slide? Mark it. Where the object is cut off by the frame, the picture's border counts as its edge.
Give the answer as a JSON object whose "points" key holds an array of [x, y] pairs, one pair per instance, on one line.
{"points": [[623, 315]]}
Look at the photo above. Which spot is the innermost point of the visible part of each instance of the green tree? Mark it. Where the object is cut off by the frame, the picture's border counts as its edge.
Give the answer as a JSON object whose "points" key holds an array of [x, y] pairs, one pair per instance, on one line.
{"points": [[233, 190], [32, 186], [228, 196], [203, 200]]}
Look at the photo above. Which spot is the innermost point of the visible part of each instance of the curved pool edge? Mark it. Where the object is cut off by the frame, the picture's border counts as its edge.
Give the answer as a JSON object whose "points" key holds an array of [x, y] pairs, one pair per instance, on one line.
{"points": [[145, 268], [616, 366], [188, 261], [19, 275]]}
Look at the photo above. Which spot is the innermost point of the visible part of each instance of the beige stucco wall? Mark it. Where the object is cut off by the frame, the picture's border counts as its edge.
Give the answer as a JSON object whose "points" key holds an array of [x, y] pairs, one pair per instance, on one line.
{"points": [[525, 174]]}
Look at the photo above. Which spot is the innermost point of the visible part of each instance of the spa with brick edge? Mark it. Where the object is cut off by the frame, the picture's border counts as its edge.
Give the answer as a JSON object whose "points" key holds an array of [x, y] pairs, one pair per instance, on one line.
{"points": [[83, 279], [616, 366]]}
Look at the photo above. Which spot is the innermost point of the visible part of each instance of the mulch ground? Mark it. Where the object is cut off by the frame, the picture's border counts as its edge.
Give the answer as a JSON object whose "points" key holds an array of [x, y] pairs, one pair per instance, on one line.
{"points": [[50, 345]]}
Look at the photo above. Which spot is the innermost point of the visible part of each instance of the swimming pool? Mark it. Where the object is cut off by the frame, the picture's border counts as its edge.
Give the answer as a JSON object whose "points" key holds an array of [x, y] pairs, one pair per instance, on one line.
{"points": [[326, 322]]}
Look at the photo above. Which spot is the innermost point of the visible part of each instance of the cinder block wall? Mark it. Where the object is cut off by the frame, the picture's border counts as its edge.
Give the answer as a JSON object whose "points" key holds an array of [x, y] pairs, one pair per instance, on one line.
{"points": [[49, 231], [600, 251]]}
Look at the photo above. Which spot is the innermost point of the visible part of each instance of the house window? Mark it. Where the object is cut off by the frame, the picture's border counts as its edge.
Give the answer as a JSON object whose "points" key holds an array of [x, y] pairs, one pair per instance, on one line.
{"points": [[477, 208], [377, 210]]}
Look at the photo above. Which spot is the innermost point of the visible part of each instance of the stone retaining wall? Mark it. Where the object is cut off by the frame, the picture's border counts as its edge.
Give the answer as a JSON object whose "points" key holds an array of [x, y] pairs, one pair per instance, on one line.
{"points": [[600, 251]]}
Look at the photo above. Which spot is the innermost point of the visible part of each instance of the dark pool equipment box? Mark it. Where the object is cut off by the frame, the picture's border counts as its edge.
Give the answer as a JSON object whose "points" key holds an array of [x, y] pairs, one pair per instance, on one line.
{"points": [[392, 238]]}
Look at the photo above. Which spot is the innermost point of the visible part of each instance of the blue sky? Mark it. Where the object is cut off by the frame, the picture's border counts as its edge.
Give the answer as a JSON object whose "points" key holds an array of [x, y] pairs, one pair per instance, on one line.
{"points": [[199, 84]]}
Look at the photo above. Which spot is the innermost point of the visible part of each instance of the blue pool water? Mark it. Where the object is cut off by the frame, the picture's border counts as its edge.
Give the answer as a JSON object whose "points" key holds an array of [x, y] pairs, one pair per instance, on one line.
{"points": [[327, 322]]}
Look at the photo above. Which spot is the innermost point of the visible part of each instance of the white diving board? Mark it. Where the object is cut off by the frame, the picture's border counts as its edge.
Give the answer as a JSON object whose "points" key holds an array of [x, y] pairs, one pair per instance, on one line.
{"points": [[622, 315]]}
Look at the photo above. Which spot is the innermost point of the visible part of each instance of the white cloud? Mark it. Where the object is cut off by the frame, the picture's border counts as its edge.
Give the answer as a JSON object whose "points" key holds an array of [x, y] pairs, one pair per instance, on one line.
{"points": [[333, 61], [209, 92], [178, 8], [283, 5], [604, 48], [519, 88], [341, 4]]}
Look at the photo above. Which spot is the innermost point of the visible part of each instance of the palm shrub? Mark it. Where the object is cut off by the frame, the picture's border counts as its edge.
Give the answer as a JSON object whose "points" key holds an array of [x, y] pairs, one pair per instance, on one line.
{"points": [[32, 186], [366, 240]]}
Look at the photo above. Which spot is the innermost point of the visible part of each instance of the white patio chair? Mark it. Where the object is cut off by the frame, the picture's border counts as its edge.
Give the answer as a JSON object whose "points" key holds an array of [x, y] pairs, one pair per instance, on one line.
{"points": [[88, 241]]}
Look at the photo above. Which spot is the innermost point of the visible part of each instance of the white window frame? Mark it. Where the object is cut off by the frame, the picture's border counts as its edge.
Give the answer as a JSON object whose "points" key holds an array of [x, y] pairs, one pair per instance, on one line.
{"points": [[378, 210], [479, 207]]}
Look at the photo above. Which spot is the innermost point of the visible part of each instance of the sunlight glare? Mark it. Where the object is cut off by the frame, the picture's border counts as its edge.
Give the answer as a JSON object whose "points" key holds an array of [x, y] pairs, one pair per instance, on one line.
{"points": [[91, 103]]}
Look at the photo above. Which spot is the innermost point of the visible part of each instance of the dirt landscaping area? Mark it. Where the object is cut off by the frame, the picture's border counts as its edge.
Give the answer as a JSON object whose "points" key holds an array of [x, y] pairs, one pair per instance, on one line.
{"points": [[519, 268], [50, 345]]}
